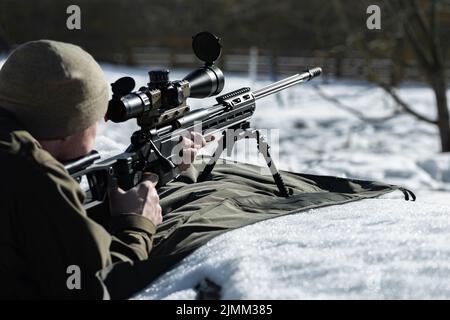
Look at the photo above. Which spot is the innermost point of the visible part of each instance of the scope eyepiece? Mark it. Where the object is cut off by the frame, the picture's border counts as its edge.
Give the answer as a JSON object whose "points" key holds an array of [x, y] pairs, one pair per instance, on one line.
{"points": [[128, 107]]}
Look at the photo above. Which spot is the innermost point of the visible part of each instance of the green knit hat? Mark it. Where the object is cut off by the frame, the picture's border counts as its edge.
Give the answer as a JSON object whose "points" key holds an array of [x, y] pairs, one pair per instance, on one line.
{"points": [[54, 89]]}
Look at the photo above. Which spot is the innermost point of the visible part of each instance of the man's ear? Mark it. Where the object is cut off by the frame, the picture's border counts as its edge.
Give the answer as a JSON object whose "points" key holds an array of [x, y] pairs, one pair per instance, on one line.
{"points": [[65, 139]]}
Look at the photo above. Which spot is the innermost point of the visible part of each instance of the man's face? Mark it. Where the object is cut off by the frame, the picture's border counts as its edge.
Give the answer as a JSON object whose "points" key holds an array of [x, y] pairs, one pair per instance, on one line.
{"points": [[80, 144]]}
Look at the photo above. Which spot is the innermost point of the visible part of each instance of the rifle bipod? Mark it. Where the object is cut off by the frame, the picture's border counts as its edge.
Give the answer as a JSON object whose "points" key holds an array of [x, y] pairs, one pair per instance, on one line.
{"points": [[263, 148]]}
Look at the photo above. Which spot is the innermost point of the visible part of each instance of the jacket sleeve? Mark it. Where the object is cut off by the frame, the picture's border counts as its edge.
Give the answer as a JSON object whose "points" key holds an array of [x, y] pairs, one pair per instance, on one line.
{"points": [[63, 247], [132, 237]]}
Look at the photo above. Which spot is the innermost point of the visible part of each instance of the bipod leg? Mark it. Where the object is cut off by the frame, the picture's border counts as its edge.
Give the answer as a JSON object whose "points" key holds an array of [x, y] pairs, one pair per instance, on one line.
{"points": [[222, 145], [263, 148]]}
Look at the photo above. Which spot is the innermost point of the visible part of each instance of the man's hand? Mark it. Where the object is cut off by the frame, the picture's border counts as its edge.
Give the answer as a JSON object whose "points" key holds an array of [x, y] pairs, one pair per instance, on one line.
{"points": [[191, 145], [142, 199]]}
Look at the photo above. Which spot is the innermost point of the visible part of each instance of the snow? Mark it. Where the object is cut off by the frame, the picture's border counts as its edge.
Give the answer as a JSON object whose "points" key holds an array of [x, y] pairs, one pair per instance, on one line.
{"points": [[371, 249], [380, 248]]}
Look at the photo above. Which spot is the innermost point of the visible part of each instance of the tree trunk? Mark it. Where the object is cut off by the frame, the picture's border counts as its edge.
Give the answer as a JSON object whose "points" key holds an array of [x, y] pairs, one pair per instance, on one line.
{"points": [[440, 91]]}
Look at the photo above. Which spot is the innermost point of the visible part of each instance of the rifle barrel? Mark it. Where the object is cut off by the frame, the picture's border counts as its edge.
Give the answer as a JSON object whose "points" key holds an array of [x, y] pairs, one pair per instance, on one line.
{"points": [[288, 82]]}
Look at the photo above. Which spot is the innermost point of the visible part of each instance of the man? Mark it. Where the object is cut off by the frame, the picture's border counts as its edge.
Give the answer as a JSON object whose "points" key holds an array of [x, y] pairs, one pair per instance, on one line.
{"points": [[52, 95]]}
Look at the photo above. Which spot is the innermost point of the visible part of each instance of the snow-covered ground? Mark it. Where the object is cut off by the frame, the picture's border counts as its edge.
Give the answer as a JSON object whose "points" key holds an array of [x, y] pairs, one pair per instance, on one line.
{"points": [[373, 249], [380, 248]]}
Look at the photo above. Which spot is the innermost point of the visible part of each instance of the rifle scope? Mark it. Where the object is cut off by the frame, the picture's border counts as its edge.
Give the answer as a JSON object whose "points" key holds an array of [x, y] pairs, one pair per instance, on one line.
{"points": [[162, 100]]}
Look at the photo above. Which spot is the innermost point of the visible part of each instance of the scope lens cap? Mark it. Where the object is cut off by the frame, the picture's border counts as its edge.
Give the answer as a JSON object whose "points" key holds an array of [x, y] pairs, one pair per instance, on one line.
{"points": [[206, 47], [123, 86]]}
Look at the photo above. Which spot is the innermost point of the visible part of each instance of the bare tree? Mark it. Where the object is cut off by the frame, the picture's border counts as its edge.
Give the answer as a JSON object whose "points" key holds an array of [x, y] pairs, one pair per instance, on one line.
{"points": [[415, 24], [420, 23]]}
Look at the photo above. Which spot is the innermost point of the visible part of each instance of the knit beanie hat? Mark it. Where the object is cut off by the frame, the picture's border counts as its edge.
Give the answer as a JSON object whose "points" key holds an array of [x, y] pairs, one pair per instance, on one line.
{"points": [[54, 89]]}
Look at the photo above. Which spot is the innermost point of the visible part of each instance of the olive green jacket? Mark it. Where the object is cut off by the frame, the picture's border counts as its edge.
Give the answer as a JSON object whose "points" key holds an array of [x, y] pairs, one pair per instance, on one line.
{"points": [[45, 234]]}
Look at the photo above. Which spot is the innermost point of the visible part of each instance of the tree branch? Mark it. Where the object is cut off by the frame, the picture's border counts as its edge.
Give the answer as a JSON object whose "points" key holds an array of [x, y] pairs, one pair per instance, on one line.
{"points": [[405, 106], [412, 21], [352, 111], [420, 18]]}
